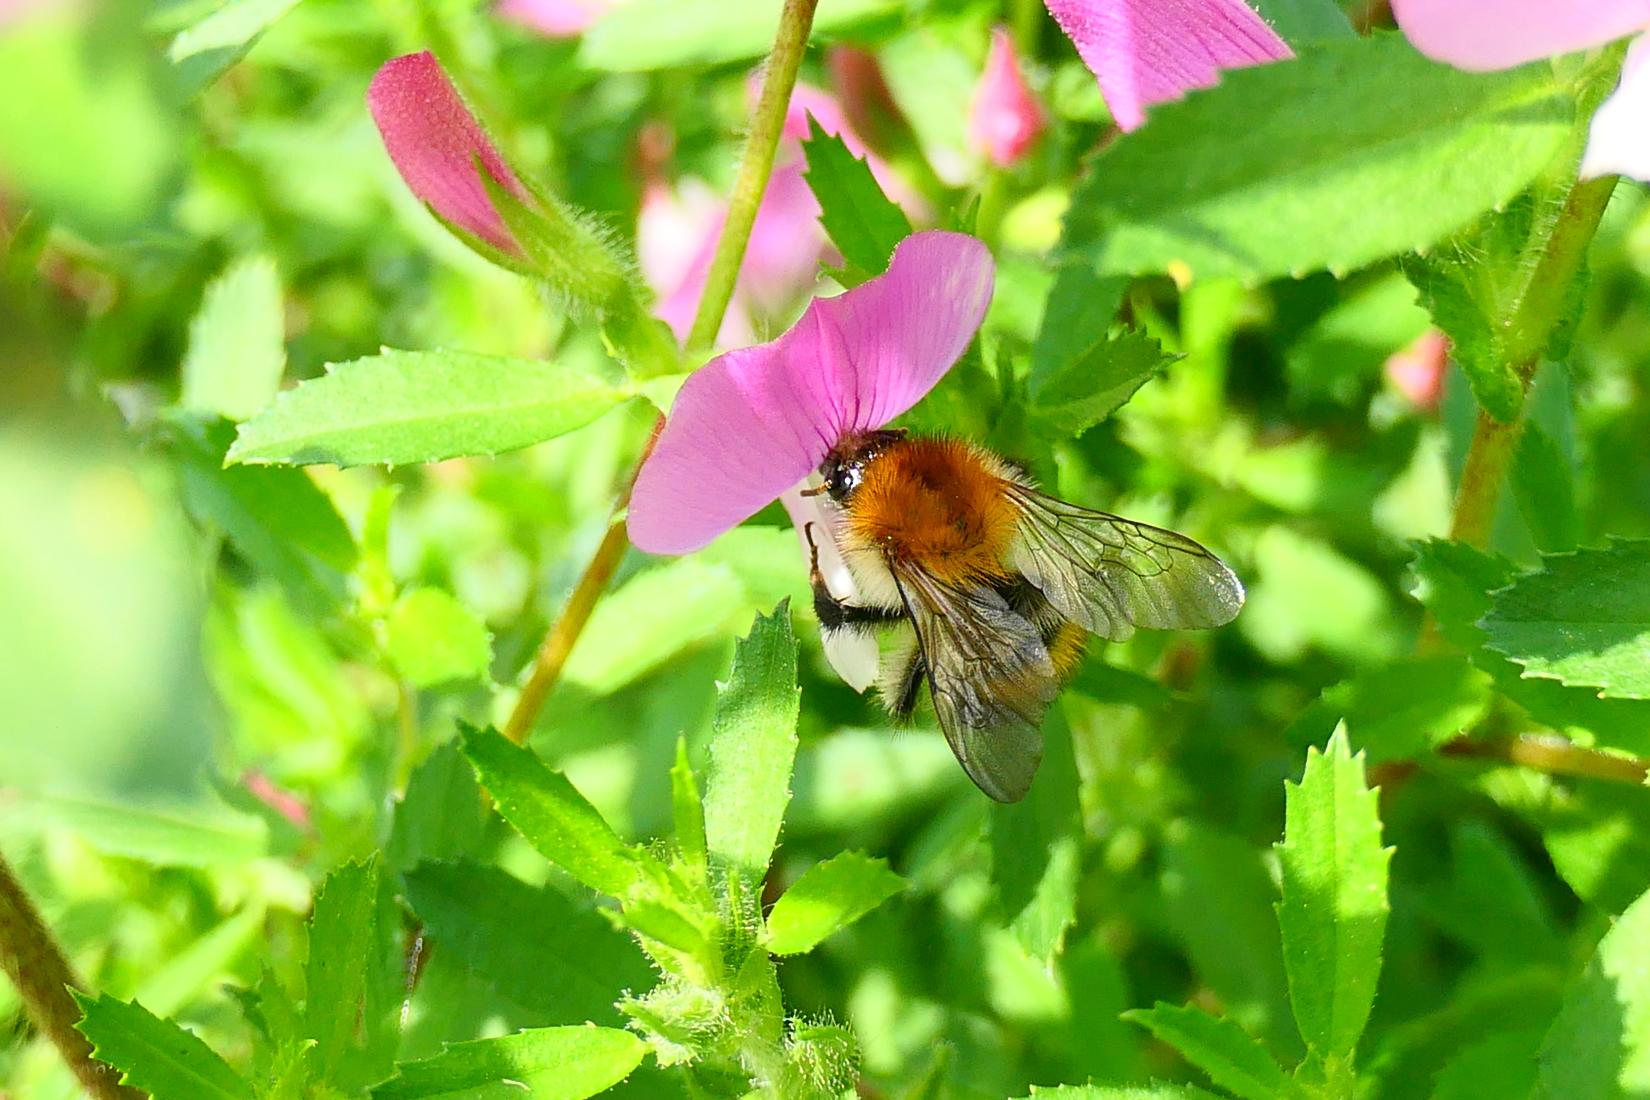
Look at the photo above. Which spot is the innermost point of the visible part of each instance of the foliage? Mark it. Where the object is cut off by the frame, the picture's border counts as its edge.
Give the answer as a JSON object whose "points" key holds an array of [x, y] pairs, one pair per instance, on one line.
{"points": [[293, 484]]}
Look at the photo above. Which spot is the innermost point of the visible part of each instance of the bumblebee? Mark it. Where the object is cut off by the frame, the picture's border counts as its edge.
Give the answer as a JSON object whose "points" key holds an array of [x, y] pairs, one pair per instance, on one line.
{"points": [[991, 588]]}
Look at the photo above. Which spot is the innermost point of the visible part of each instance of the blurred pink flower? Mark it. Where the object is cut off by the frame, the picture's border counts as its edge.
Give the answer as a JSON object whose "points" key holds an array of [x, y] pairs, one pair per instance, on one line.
{"points": [[1149, 51], [1417, 372], [1004, 119], [676, 232], [555, 18], [1498, 34], [435, 143], [753, 423]]}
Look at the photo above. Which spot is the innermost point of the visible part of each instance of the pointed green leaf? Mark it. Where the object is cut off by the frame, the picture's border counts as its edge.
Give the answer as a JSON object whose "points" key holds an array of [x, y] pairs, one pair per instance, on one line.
{"points": [[1583, 620], [1097, 383], [1382, 152], [1041, 926], [549, 1063], [1219, 1046], [689, 813], [829, 896], [1544, 485], [493, 921], [1334, 906], [550, 812], [431, 639], [156, 1055], [1410, 706], [1599, 1047], [753, 747], [861, 221], [237, 347], [400, 407], [342, 935], [441, 816]]}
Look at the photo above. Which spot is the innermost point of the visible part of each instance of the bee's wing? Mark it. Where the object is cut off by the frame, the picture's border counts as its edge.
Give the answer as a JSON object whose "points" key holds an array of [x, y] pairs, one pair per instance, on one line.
{"points": [[1111, 574], [991, 678]]}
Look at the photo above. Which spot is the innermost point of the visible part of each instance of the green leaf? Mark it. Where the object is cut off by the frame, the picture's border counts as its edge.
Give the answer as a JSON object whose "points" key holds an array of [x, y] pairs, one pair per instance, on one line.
{"points": [[342, 936], [1414, 704], [861, 221], [400, 407], [1154, 1091], [688, 811], [651, 618], [1476, 282], [667, 34], [1041, 926], [551, 1063], [201, 834], [1454, 581], [1101, 380], [1300, 22], [1334, 906], [550, 812], [156, 1055], [1220, 1047], [1583, 620], [1543, 482], [441, 816], [237, 347], [1077, 319], [1598, 836], [1599, 1047], [533, 944], [829, 896], [753, 747], [1380, 152], [235, 24], [1502, 1065], [278, 519], [431, 639]]}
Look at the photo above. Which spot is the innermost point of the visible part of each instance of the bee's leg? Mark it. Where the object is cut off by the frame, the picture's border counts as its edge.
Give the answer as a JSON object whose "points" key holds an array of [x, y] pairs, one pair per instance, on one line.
{"points": [[903, 701], [833, 613]]}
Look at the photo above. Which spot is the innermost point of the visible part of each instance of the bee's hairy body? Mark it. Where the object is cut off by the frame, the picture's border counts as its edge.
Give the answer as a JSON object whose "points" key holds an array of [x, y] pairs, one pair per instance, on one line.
{"points": [[991, 588], [937, 503]]}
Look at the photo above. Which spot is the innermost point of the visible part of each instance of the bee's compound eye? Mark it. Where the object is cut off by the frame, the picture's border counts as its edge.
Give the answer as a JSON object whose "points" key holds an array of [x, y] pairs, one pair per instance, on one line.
{"points": [[840, 480]]}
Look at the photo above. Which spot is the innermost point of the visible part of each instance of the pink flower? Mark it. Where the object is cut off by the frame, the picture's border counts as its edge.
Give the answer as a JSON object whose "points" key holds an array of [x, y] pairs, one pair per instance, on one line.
{"points": [[435, 142], [555, 18], [1004, 119], [1417, 371], [1149, 51], [753, 423], [1498, 34], [786, 242]]}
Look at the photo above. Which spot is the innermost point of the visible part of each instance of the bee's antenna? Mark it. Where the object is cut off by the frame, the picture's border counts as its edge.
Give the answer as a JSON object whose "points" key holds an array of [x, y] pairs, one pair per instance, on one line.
{"points": [[815, 491], [813, 548]]}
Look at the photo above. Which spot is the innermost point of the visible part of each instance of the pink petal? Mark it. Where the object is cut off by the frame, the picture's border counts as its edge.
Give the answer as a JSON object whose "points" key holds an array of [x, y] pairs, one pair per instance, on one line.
{"points": [[1418, 370], [1149, 51], [1498, 34], [554, 18], [1004, 119], [752, 423], [1619, 141], [434, 141]]}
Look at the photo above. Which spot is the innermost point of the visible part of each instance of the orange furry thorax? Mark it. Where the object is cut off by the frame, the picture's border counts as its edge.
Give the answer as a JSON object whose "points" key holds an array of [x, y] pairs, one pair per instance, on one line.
{"points": [[938, 503]]}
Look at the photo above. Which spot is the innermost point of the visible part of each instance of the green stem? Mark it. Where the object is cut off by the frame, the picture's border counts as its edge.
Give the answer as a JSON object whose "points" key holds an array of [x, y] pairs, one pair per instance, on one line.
{"points": [[1529, 330], [40, 973], [755, 166]]}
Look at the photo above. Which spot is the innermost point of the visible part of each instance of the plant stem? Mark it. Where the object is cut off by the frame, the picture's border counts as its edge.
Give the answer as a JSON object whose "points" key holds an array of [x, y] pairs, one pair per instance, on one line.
{"points": [[41, 975], [1552, 755], [755, 166], [1529, 330]]}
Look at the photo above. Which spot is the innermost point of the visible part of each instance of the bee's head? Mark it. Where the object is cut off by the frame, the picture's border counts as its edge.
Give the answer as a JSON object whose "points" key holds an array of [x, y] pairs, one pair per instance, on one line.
{"points": [[844, 468]]}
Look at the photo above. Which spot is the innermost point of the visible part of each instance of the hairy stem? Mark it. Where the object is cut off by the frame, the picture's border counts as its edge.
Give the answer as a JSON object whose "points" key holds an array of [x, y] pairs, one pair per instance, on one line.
{"points": [[1529, 330], [755, 166], [1552, 755], [41, 975]]}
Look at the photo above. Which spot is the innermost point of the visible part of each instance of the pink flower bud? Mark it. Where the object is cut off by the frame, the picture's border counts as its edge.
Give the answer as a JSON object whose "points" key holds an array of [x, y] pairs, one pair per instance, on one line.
{"points": [[1004, 120], [554, 18], [435, 143], [1417, 371]]}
